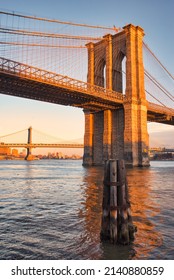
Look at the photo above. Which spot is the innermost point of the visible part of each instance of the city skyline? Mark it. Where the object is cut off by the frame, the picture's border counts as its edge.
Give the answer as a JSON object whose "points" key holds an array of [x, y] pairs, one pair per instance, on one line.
{"points": [[67, 122]]}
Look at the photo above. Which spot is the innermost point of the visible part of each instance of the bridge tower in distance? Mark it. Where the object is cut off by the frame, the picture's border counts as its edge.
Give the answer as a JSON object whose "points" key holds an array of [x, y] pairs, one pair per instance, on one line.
{"points": [[122, 132], [29, 149]]}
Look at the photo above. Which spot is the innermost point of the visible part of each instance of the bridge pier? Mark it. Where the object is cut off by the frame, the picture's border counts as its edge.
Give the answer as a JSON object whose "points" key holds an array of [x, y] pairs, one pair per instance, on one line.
{"points": [[104, 136], [135, 134], [117, 134], [29, 154], [88, 138], [107, 134]]}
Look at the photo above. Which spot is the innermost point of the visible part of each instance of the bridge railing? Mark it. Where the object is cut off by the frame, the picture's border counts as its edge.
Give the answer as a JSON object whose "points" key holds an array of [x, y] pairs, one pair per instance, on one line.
{"points": [[24, 70]]}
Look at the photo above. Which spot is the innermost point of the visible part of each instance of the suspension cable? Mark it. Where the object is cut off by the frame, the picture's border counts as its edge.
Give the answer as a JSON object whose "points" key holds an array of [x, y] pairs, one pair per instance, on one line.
{"points": [[41, 45], [159, 61], [61, 22], [13, 133], [158, 101], [45, 34], [167, 93]]}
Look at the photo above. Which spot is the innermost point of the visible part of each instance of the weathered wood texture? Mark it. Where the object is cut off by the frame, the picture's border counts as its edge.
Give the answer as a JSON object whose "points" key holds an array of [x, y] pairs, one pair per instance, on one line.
{"points": [[117, 225]]}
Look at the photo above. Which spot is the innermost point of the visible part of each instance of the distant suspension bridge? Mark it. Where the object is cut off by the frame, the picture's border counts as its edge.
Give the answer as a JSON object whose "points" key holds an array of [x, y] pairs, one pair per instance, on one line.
{"points": [[25, 138]]}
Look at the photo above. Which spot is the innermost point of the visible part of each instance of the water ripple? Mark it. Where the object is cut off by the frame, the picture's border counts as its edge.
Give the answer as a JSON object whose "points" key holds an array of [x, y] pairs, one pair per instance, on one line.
{"points": [[52, 210]]}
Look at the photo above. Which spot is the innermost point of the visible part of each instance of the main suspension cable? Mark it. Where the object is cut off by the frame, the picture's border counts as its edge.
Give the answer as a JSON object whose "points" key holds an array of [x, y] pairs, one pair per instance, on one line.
{"points": [[159, 61], [61, 22]]}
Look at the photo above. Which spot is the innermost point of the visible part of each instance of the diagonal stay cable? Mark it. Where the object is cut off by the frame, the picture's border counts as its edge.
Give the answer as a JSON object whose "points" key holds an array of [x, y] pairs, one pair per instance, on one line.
{"points": [[165, 91]]}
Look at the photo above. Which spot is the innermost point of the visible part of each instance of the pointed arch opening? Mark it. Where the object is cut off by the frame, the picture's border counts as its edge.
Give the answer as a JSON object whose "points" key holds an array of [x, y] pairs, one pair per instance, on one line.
{"points": [[100, 73], [124, 75], [119, 73]]}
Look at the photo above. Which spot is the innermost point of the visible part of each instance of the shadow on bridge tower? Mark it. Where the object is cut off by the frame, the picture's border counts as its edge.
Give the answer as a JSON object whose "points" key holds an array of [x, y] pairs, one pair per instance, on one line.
{"points": [[29, 149], [122, 132]]}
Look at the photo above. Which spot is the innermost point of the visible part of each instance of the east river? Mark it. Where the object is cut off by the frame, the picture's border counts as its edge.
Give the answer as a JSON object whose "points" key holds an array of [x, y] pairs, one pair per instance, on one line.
{"points": [[51, 209]]}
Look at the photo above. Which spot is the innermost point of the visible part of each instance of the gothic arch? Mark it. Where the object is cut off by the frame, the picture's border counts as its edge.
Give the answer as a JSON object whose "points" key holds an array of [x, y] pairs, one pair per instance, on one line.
{"points": [[117, 72], [99, 76]]}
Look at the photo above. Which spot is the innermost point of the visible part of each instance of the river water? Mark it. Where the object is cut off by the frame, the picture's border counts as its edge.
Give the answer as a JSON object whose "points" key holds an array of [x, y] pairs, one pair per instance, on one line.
{"points": [[51, 209]]}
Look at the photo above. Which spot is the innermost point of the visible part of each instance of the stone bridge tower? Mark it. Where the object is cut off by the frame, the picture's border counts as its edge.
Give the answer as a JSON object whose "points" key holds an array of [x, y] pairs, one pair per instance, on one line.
{"points": [[122, 132]]}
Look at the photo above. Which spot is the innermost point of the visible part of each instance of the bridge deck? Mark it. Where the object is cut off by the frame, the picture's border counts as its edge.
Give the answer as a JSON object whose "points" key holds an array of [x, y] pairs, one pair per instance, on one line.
{"points": [[25, 81], [39, 145], [30, 82]]}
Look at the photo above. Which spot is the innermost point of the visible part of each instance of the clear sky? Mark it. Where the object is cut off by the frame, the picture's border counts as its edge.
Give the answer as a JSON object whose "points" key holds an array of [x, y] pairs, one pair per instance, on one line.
{"points": [[154, 16]]}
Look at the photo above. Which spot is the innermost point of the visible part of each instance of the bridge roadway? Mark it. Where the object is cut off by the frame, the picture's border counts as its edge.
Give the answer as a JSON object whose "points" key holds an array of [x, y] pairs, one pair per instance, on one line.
{"points": [[39, 145], [26, 81]]}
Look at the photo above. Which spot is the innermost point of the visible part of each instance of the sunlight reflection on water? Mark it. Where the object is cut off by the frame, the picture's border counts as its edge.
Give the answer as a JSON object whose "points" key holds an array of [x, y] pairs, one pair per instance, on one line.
{"points": [[52, 210]]}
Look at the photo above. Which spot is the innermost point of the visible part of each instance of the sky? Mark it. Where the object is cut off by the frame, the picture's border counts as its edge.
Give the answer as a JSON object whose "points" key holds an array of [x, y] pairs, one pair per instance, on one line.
{"points": [[154, 16]]}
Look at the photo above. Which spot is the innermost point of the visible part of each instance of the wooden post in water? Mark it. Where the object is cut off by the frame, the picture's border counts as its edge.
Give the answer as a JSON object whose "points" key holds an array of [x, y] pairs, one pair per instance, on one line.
{"points": [[105, 228], [122, 202], [131, 227], [113, 201], [117, 223]]}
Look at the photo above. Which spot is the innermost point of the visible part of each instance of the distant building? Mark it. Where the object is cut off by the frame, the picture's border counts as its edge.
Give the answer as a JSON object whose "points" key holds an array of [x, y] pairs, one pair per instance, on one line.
{"points": [[23, 153], [15, 153], [161, 154], [5, 151]]}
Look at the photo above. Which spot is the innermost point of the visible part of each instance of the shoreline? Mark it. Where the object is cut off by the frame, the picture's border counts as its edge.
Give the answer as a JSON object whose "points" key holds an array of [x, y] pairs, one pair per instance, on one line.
{"points": [[80, 158]]}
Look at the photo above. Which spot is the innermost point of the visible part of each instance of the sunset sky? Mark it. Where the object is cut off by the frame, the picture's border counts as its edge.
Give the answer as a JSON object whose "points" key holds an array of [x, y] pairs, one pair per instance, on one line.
{"points": [[154, 16]]}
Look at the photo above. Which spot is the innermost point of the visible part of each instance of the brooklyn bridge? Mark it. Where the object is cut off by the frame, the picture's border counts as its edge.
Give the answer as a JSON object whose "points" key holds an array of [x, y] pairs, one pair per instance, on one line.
{"points": [[109, 72]]}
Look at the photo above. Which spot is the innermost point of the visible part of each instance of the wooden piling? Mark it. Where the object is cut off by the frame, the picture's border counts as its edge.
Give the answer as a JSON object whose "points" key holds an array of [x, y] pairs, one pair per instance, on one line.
{"points": [[117, 223], [105, 228], [113, 201], [122, 202], [131, 227]]}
